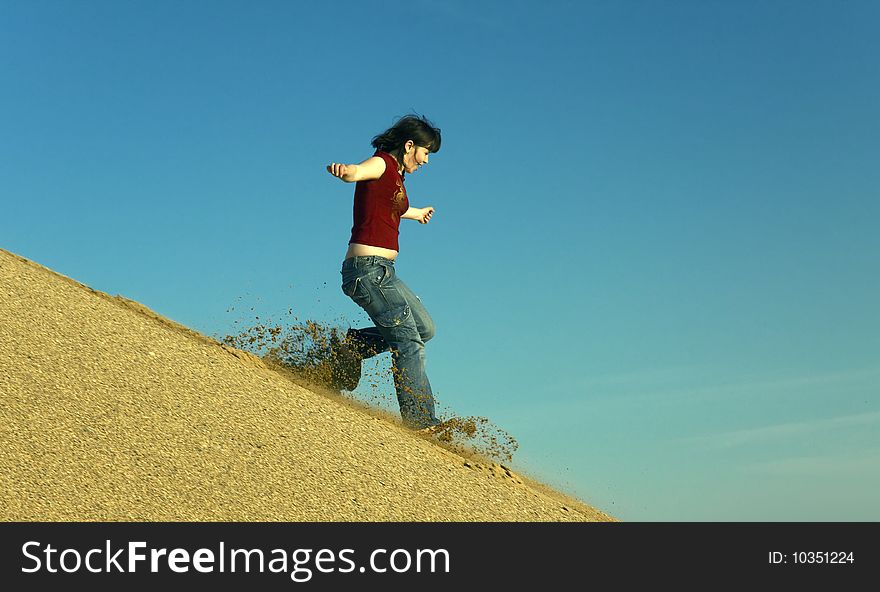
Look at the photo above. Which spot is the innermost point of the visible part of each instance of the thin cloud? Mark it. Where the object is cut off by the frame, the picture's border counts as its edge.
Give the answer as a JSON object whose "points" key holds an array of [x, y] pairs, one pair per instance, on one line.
{"points": [[866, 465], [786, 430], [660, 384]]}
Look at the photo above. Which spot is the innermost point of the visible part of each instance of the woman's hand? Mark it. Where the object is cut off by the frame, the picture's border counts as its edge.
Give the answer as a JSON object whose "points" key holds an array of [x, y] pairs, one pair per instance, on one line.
{"points": [[424, 215], [339, 170]]}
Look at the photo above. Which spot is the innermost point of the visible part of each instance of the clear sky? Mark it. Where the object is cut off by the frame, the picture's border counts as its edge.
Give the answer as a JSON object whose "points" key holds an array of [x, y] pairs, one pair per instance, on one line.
{"points": [[654, 258]]}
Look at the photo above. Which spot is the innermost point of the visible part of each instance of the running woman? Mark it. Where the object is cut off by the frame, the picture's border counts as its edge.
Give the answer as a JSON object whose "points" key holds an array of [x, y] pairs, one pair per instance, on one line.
{"points": [[402, 324]]}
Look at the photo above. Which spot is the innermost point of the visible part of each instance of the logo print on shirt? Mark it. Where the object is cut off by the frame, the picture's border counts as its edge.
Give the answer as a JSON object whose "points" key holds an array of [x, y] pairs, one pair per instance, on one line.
{"points": [[397, 202]]}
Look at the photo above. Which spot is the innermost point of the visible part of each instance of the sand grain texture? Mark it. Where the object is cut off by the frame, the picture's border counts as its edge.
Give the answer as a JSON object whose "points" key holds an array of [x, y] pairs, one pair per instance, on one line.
{"points": [[110, 412]]}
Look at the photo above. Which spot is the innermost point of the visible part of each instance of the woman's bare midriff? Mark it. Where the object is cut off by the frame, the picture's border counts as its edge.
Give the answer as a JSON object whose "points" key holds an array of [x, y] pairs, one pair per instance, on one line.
{"points": [[358, 250]]}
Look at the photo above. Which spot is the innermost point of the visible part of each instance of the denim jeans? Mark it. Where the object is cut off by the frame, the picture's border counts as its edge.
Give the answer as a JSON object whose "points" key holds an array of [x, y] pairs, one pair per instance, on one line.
{"points": [[402, 326]]}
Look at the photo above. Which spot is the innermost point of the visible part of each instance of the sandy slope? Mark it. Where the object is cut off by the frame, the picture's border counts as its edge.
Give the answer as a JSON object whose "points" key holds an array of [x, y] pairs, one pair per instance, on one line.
{"points": [[110, 412]]}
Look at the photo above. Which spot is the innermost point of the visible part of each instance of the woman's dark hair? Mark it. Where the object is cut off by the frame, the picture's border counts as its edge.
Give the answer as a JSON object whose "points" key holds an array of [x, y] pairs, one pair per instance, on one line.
{"points": [[409, 127]]}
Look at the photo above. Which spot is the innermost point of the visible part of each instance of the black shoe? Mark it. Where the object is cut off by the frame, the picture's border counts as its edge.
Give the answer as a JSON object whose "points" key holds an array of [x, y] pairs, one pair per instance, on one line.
{"points": [[345, 362]]}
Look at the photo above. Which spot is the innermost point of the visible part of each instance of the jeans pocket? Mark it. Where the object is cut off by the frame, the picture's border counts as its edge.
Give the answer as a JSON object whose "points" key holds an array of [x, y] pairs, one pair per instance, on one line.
{"points": [[357, 291], [384, 274]]}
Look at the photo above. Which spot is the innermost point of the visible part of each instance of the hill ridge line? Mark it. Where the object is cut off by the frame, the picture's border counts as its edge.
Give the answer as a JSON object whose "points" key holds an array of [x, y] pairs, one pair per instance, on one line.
{"points": [[146, 311]]}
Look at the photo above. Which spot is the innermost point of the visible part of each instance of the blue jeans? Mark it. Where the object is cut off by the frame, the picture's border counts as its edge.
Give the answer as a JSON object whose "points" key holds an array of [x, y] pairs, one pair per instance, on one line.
{"points": [[402, 327]]}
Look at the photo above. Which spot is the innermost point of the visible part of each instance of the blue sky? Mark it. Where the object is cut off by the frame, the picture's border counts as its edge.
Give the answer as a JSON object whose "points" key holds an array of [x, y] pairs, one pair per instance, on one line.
{"points": [[654, 255]]}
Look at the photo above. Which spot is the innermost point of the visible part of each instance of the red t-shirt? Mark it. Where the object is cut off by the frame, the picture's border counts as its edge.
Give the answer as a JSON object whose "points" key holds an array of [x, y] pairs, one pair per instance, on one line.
{"points": [[378, 206]]}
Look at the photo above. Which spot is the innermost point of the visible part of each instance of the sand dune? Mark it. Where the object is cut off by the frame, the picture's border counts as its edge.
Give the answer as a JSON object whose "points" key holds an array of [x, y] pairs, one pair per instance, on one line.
{"points": [[110, 412]]}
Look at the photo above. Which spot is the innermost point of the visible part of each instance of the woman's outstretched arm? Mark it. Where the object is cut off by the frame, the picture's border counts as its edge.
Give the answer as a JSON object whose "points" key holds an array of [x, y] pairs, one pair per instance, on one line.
{"points": [[370, 169]]}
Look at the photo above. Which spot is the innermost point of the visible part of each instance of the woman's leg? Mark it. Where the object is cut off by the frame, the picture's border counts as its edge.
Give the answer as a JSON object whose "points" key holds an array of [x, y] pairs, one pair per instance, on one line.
{"points": [[400, 320]]}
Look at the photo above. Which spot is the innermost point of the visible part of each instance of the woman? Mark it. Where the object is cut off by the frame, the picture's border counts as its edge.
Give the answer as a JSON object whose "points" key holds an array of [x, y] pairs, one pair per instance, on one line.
{"points": [[402, 325]]}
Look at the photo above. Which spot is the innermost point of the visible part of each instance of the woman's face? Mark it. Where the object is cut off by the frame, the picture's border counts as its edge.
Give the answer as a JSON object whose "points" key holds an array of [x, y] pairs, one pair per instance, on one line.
{"points": [[414, 157]]}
